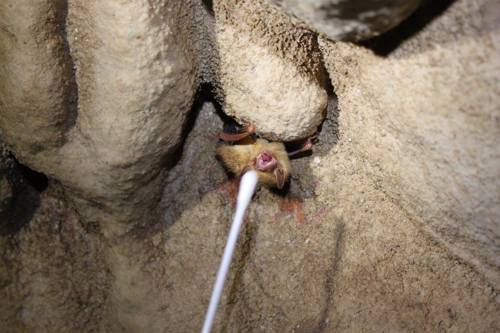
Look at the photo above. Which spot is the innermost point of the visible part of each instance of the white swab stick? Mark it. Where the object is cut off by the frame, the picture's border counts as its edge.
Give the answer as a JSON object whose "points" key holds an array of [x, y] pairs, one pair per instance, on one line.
{"points": [[247, 188]]}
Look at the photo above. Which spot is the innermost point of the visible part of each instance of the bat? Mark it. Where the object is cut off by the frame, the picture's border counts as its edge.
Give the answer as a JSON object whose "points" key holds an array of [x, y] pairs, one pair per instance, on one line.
{"points": [[269, 159]]}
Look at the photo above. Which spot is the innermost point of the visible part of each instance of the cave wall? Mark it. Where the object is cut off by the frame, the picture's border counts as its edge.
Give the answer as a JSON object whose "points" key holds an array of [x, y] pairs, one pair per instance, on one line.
{"points": [[95, 94], [390, 225], [425, 119]]}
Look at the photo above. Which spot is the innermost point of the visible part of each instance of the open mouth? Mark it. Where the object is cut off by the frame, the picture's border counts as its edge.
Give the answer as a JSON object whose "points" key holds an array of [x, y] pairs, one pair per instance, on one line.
{"points": [[265, 161]]}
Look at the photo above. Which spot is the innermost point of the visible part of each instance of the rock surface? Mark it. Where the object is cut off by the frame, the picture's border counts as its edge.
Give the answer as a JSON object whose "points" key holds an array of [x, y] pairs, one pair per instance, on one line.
{"points": [[269, 71], [425, 119], [37, 91], [107, 95], [349, 19], [390, 225], [353, 262]]}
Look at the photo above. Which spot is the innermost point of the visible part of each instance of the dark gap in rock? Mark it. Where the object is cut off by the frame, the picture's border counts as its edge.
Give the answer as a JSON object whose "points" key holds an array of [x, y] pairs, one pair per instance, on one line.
{"points": [[285, 190], [227, 120], [25, 201], [72, 95], [26, 185], [203, 94], [387, 42], [194, 157], [206, 93], [332, 110], [209, 5], [34, 179], [303, 183]]}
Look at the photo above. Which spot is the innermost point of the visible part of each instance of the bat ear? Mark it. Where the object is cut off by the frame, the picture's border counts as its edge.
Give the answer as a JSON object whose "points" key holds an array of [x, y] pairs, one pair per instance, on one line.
{"points": [[280, 177]]}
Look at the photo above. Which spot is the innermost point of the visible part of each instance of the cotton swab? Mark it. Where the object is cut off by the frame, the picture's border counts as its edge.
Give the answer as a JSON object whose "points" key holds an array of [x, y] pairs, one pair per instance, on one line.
{"points": [[248, 184]]}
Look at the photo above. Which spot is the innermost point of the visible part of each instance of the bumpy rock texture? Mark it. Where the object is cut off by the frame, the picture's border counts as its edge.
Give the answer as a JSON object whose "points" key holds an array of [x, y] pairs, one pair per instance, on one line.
{"points": [[94, 94], [390, 225], [434, 149], [269, 69]]}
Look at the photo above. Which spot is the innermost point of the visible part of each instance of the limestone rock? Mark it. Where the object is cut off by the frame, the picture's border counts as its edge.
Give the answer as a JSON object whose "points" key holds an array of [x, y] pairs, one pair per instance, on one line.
{"points": [[97, 100], [426, 121], [37, 90], [269, 71], [390, 225], [349, 19]]}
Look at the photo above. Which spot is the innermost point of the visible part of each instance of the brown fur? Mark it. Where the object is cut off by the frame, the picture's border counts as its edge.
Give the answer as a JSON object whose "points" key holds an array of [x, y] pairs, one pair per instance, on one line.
{"points": [[241, 157]]}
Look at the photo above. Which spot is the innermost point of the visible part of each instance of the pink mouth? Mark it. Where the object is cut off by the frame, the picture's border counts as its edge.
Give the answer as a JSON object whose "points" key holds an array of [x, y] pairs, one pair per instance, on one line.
{"points": [[265, 161]]}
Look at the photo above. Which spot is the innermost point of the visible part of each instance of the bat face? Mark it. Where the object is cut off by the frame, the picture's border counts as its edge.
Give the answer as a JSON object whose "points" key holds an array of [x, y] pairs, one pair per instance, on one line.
{"points": [[265, 161], [268, 159]]}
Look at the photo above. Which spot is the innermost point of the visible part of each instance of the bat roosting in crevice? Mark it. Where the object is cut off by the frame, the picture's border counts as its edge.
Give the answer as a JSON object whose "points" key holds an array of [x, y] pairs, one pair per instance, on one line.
{"points": [[243, 151]]}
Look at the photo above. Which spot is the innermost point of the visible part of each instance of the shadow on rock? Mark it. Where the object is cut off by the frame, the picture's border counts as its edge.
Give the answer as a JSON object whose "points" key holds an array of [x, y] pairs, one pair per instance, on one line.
{"points": [[26, 186], [386, 43]]}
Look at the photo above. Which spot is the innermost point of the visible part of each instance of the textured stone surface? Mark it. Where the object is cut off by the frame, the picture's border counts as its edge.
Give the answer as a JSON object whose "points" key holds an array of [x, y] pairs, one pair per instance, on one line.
{"points": [[430, 137], [269, 70], [356, 261], [36, 87], [53, 277], [134, 79], [349, 19], [426, 120], [387, 226]]}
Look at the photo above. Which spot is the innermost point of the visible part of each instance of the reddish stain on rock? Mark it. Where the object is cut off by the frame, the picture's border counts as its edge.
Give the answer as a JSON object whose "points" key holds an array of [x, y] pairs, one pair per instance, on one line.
{"points": [[292, 205], [230, 190]]}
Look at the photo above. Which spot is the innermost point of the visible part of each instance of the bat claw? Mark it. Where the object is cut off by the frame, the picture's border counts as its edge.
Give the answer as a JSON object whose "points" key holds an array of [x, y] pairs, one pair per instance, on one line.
{"points": [[307, 145]]}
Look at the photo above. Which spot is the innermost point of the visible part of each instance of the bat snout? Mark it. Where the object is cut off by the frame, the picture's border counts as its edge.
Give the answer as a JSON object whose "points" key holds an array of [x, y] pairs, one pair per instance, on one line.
{"points": [[266, 161]]}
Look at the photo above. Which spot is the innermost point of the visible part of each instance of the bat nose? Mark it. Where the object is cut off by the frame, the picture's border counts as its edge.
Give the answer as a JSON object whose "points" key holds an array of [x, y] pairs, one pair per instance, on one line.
{"points": [[266, 157], [266, 161]]}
